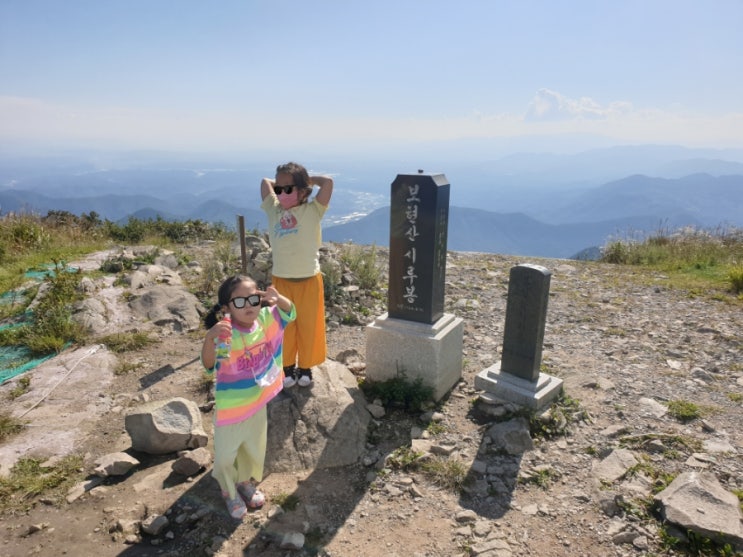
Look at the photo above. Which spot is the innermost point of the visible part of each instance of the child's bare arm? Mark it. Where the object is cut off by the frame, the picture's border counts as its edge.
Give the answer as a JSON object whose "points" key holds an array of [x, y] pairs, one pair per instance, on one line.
{"points": [[325, 183]]}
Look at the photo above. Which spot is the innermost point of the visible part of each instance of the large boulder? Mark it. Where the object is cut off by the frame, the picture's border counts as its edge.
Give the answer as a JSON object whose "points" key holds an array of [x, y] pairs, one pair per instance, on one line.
{"points": [[168, 306], [696, 501], [166, 426], [322, 426]]}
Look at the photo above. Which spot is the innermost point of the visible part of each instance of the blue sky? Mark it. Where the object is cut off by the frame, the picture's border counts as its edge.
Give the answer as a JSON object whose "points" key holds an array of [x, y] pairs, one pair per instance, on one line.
{"points": [[345, 74]]}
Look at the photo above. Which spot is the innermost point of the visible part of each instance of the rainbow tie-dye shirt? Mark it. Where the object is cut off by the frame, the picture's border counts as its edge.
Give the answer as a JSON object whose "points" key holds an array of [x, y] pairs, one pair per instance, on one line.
{"points": [[254, 356]]}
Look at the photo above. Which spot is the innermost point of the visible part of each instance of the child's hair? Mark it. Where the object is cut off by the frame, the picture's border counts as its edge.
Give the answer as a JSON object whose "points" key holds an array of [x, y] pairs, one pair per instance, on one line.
{"points": [[224, 295], [299, 175]]}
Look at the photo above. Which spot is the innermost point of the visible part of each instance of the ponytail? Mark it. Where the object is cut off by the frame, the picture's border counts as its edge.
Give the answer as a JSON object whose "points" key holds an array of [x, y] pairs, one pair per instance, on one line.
{"points": [[211, 318]]}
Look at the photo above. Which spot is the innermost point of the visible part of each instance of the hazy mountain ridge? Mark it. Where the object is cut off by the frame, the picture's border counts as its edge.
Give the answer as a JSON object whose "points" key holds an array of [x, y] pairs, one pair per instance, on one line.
{"points": [[532, 204], [708, 200], [511, 233]]}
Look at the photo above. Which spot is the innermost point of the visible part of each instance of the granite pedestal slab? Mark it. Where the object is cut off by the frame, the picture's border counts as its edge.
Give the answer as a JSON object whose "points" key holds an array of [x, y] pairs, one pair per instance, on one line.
{"points": [[432, 352], [512, 388]]}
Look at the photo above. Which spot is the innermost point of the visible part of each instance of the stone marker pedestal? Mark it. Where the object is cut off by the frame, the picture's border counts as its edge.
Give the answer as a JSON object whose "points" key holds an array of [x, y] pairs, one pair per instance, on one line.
{"points": [[432, 352], [415, 336], [516, 378], [534, 394]]}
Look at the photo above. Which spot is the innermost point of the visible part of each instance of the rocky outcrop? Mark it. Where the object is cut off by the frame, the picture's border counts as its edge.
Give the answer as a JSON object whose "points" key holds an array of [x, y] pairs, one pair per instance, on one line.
{"points": [[321, 426]]}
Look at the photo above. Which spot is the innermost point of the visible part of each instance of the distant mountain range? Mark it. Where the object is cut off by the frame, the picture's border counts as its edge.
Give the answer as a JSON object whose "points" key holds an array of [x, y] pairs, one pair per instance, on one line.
{"points": [[525, 204], [512, 233]]}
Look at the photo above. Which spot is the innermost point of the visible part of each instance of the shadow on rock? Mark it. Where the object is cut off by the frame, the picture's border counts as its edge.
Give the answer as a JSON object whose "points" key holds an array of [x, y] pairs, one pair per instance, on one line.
{"points": [[321, 429], [494, 474]]}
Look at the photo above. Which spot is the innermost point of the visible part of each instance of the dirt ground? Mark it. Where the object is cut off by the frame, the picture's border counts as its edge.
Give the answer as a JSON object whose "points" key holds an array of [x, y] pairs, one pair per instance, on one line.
{"points": [[359, 511]]}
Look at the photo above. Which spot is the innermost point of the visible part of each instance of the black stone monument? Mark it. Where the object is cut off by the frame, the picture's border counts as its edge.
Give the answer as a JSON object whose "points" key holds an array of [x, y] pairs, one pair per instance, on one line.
{"points": [[418, 234], [526, 314]]}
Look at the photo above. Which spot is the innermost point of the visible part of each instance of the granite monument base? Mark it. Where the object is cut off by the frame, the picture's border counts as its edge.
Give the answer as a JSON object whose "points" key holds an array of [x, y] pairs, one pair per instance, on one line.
{"points": [[512, 388], [432, 352]]}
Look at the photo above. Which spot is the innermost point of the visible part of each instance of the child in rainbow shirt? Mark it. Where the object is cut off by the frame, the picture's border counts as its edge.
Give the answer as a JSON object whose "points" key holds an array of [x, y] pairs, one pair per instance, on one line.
{"points": [[249, 376]]}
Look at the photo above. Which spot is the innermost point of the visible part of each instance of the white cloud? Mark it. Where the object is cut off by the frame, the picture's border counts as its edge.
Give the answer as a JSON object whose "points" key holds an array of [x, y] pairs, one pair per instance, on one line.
{"points": [[549, 105]]}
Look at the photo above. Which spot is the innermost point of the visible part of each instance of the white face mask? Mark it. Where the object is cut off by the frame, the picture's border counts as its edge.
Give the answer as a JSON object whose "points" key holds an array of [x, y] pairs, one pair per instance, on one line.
{"points": [[289, 200]]}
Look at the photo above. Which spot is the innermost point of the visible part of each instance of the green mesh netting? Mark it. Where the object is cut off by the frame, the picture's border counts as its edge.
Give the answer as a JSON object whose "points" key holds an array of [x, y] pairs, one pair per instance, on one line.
{"points": [[13, 297], [39, 274], [15, 360]]}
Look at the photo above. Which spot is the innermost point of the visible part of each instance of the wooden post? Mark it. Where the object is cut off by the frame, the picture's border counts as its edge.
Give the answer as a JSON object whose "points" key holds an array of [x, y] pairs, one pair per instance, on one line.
{"points": [[243, 249]]}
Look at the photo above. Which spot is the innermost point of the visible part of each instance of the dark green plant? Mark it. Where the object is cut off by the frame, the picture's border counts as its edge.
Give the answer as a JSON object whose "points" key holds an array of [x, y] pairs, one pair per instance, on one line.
{"points": [[641, 508], [616, 252], [132, 232], [399, 391], [661, 479], [699, 544]]}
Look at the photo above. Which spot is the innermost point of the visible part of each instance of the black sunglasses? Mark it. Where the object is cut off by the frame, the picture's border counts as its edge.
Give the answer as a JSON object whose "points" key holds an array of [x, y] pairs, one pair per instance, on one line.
{"points": [[286, 189], [239, 301]]}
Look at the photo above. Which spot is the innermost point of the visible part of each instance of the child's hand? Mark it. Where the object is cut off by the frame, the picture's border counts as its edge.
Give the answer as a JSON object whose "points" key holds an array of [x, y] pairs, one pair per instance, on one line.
{"points": [[222, 328], [271, 295]]}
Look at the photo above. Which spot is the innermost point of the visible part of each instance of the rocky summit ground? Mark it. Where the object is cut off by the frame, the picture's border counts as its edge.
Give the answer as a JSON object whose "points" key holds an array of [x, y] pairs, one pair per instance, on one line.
{"points": [[624, 341]]}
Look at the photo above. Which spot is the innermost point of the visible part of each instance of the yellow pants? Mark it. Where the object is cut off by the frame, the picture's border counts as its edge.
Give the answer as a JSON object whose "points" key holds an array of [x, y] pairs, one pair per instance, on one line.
{"points": [[304, 338], [239, 451]]}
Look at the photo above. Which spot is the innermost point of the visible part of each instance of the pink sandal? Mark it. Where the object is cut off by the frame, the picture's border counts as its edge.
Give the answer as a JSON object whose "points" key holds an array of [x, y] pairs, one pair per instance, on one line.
{"points": [[253, 498], [236, 506]]}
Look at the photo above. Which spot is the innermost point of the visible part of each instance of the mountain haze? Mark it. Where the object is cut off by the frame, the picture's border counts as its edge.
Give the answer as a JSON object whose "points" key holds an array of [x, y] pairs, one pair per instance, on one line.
{"points": [[505, 233], [533, 204]]}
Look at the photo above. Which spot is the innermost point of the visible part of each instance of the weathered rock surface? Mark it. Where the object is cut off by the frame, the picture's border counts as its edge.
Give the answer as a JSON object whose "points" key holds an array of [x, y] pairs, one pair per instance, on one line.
{"points": [[322, 426], [696, 501], [165, 426]]}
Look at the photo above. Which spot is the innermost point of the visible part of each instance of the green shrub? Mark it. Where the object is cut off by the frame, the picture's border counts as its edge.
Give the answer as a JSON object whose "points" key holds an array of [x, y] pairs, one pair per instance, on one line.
{"points": [[399, 391], [683, 410], [449, 473], [616, 252], [51, 326], [331, 273], [692, 259], [362, 262], [126, 342], [736, 279]]}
